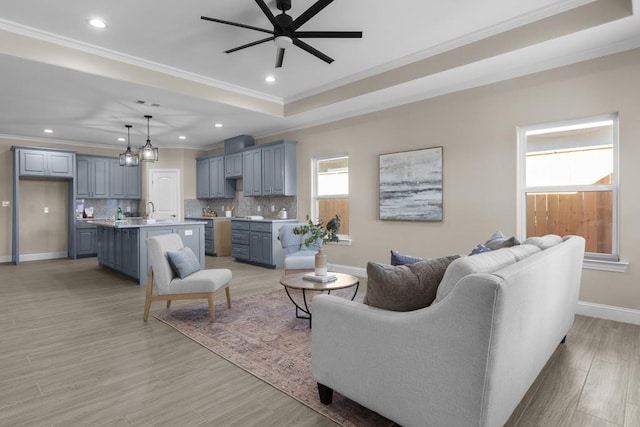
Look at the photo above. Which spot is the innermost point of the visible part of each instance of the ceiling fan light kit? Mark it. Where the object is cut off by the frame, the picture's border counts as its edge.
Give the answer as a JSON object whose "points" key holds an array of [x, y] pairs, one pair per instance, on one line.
{"points": [[129, 157], [285, 30], [148, 153]]}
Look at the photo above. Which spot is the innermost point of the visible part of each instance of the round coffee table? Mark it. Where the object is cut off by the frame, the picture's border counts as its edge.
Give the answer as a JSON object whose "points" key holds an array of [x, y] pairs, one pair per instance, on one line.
{"points": [[296, 281]]}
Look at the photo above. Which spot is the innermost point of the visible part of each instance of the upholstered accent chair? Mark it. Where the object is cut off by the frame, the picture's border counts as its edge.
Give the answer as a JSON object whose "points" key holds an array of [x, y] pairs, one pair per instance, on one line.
{"points": [[298, 258], [200, 284]]}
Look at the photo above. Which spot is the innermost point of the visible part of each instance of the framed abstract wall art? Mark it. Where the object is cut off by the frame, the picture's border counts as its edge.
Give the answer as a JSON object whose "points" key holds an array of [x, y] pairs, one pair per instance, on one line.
{"points": [[411, 185]]}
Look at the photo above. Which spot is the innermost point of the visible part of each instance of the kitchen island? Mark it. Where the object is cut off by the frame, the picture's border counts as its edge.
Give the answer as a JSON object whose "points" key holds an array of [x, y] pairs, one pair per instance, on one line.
{"points": [[122, 245]]}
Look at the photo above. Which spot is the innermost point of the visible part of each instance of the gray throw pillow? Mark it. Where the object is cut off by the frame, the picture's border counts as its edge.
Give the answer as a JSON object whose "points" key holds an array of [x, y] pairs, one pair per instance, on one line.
{"points": [[499, 240], [404, 287], [183, 262]]}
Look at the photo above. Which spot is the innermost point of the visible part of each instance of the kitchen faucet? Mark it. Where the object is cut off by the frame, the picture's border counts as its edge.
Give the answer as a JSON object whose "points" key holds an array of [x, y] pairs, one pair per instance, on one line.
{"points": [[153, 209]]}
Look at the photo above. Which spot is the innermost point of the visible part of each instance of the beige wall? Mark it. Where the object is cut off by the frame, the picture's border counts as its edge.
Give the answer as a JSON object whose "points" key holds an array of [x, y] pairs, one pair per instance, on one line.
{"points": [[477, 129]]}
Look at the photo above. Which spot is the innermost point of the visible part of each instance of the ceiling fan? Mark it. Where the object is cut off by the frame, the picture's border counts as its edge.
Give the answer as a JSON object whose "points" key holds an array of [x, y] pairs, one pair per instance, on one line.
{"points": [[285, 30]]}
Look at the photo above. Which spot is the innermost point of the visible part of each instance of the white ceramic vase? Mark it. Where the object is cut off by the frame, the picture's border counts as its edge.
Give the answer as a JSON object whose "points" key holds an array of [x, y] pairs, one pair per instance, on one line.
{"points": [[321, 263]]}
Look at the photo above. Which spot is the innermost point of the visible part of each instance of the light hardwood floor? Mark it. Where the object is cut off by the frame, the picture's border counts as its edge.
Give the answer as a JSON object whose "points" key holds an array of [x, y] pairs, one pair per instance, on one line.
{"points": [[74, 351]]}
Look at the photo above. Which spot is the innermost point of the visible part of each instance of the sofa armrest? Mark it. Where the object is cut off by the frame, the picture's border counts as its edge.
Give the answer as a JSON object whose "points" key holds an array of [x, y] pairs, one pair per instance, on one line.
{"points": [[429, 360]]}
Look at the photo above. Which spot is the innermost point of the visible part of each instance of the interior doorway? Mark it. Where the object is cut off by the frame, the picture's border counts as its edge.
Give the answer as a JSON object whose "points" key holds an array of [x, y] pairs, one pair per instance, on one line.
{"points": [[164, 193]]}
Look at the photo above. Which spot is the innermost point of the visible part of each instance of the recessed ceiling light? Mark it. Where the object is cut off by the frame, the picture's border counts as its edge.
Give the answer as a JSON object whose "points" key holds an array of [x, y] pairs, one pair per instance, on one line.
{"points": [[218, 125], [97, 23], [121, 139], [182, 137], [48, 131], [270, 79]]}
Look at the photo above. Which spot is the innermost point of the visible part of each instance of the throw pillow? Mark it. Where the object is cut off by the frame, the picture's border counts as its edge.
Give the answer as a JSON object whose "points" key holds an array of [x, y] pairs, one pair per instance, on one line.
{"points": [[183, 262], [399, 259], [479, 249], [499, 240], [404, 287]]}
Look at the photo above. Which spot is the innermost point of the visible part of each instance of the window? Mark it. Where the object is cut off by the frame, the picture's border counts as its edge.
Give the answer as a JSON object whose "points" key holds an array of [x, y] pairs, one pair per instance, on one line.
{"points": [[569, 183], [331, 191]]}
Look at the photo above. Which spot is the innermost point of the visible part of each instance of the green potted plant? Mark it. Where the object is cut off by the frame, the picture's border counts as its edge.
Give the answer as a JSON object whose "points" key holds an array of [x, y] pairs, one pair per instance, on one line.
{"points": [[319, 231]]}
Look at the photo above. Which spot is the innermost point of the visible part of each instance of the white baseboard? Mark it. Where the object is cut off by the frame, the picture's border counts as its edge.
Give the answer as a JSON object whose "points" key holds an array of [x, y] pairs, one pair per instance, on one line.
{"points": [[39, 257], [609, 312], [600, 311], [4, 259]]}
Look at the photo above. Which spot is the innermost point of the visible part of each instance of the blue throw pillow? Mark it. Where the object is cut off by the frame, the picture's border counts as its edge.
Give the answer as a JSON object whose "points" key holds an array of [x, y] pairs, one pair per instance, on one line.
{"points": [[499, 240], [399, 259], [183, 262], [479, 249]]}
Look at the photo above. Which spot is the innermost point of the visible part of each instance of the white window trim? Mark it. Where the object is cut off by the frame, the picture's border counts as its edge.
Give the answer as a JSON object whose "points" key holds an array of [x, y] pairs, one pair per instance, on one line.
{"points": [[592, 261], [343, 239]]}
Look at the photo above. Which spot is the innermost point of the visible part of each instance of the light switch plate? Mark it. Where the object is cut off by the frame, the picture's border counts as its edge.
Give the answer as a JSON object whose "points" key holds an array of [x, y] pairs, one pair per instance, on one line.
{"points": [[188, 232], [5, 203]]}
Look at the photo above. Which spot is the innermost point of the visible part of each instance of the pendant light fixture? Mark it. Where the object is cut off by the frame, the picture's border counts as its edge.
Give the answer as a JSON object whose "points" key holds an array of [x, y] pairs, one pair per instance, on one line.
{"points": [[148, 153], [129, 158]]}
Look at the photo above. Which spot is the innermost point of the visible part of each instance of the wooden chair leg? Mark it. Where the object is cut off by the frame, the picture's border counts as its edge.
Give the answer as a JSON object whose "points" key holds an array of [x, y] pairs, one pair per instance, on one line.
{"points": [[212, 312], [227, 291], [147, 302]]}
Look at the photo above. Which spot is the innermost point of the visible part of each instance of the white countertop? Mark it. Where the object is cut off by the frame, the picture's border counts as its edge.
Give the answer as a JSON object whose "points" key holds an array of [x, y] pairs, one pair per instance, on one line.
{"points": [[141, 222], [265, 219]]}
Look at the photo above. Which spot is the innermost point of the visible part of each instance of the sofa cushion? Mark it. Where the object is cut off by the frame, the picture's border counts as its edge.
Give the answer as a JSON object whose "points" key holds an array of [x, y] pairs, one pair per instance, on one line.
{"points": [[400, 259], [183, 262], [498, 240], [486, 262], [404, 287], [544, 242]]}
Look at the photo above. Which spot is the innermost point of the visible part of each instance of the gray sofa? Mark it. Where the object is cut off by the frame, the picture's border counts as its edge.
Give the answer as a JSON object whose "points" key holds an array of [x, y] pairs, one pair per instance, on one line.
{"points": [[468, 358]]}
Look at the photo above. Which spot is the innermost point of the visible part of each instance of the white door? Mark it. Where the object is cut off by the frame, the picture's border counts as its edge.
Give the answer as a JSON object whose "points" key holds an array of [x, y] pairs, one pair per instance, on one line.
{"points": [[164, 192]]}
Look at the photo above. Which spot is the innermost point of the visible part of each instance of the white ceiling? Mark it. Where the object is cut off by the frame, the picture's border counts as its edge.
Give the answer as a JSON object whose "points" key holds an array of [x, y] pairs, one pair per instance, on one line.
{"points": [[60, 73]]}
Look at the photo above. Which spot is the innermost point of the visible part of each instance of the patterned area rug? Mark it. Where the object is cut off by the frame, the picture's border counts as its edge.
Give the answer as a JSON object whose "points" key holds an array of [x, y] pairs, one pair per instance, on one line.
{"points": [[262, 335]]}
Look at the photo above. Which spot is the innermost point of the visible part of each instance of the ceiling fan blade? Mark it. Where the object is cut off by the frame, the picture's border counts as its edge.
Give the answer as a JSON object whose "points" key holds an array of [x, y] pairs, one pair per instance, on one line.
{"points": [[279, 57], [248, 45], [329, 34], [235, 24], [310, 13], [315, 52], [268, 13]]}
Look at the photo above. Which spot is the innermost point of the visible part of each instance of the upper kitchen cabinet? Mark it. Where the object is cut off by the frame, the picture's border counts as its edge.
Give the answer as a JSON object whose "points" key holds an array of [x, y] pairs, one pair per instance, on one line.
{"points": [[45, 163], [233, 165], [252, 172], [279, 169], [124, 181], [210, 179], [92, 177]]}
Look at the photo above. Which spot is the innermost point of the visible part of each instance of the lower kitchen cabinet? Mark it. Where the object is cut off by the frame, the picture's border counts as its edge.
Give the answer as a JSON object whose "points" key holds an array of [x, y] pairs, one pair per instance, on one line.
{"points": [[86, 240], [256, 242]]}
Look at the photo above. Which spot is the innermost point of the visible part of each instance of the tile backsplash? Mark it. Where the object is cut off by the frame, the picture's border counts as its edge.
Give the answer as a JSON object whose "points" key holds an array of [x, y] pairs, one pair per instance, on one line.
{"points": [[243, 206]]}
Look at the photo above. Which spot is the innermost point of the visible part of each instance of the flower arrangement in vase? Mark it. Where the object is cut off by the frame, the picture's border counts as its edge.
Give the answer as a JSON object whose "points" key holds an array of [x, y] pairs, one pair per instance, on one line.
{"points": [[320, 232]]}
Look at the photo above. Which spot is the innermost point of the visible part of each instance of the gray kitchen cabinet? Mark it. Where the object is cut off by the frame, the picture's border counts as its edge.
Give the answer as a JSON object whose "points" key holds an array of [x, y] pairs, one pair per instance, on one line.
{"points": [[92, 177], [106, 246], [252, 172], [240, 238], [44, 163], [126, 251], [124, 182], [202, 178], [86, 240], [219, 186], [233, 165], [279, 169], [210, 180], [256, 242]]}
